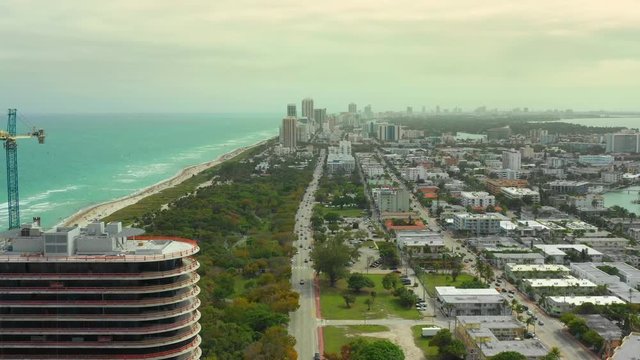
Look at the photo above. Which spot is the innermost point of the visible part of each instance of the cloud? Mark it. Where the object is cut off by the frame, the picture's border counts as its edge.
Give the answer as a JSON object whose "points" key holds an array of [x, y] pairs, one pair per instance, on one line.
{"points": [[260, 51]]}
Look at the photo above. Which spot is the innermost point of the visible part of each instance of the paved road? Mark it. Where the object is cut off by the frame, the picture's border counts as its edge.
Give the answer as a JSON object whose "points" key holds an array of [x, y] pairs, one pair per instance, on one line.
{"points": [[303, 323]]}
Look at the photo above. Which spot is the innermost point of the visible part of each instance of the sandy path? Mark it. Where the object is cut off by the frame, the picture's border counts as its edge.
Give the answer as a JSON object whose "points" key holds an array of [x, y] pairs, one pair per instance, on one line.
{"points": [[86, 215]]}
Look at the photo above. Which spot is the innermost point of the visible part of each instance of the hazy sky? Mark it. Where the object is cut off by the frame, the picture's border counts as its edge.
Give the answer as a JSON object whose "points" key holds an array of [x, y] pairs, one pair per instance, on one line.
{"points": [[258, 55]]}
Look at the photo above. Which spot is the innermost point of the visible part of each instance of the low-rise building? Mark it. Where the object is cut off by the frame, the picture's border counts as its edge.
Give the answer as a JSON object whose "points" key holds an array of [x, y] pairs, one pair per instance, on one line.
{"points": [[494, 185], [456, 302], [550, 287], [557, 305], [569, 187], [614, 284], [500, 259], [535, 271], [628, 349], [513, 193], [557, 252], [488, 223], [487, 336], [339, 163], [422, 244], [596, 160], [477, 199]]}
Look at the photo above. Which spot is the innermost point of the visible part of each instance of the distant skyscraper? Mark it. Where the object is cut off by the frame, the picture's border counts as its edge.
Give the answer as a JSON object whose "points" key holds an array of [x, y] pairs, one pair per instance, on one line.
{"points": [[291, 110], [424, 109], [409, 110], [307, 109], [511, 159], [368, 114], [352, 108], [320, 116], [289, 129]]}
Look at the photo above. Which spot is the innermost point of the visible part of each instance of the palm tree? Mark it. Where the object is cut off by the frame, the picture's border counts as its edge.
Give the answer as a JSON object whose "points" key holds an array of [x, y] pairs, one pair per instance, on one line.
{"points": [[554, 354], [530, 320]]}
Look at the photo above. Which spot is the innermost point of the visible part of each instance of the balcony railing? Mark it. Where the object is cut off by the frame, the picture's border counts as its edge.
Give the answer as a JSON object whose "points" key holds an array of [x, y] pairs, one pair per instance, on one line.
{"points": [[192, 266], [152, 315], [152, 329], [193, 347], [102, 303], [102, 290], [152, 342]]}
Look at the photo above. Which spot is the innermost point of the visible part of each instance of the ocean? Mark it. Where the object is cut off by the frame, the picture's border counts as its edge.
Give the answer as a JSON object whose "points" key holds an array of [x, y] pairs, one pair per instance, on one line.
{"points": [[90, 159], [629, 122]]}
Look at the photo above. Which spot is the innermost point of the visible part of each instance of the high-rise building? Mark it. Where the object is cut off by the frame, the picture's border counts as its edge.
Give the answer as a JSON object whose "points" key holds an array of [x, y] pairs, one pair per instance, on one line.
{"points": [[511, 159], [289, 132], [409, 110], [388, 132], [101, 292], [368, 114], [623, 142], [319, 116], [353, 108], [307, 109], [291, 110]]}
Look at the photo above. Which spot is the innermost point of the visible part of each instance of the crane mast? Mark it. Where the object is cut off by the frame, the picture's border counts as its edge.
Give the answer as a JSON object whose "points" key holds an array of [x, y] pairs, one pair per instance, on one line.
{"points": [[11, 146]]}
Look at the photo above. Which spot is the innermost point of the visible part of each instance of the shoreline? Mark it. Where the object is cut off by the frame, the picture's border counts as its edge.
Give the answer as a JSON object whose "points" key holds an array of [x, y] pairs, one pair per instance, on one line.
{"points": [[98, 211]]}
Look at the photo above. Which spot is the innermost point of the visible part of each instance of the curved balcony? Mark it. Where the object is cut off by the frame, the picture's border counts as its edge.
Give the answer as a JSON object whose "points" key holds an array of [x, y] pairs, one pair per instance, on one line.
{"points": [[153, 342], [103, 303], [152, 315], [193, 279], [191, 265], [191, 248], [152, 329], [192, 347]]}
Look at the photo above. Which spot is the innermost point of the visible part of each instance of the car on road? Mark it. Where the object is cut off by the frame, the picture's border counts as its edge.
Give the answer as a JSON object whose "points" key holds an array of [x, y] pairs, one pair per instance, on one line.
{"points": [[316, 356], [540, 322], [301, 282]]}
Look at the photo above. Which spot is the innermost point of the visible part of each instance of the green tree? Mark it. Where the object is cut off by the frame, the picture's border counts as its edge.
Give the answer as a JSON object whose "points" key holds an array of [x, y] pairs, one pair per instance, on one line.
{"points": [[369, 302], [275, 344], [441, 339], [454, 351], [554, 354], [331, 258], [390, 281], [509, 355], [592, 339], [358, 281], [375, 350], [406, 298], [349, 299]]}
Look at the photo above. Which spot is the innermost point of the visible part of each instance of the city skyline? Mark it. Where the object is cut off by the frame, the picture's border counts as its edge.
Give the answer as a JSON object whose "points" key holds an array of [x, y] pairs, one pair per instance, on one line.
{"points": [[154, 56]]}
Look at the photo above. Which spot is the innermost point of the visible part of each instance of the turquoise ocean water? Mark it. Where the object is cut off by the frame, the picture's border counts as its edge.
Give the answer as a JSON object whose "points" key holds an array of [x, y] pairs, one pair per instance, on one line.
{"points": [[89, 159]]}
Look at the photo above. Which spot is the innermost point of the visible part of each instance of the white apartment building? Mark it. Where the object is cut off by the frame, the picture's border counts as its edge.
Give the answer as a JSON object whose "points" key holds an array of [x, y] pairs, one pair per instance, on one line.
{"points": [[391, 200], [479, 224], [520, 193], [477, 199], [558, 251], [422, 244], [511, 159], [557, 305], [457, 302]]}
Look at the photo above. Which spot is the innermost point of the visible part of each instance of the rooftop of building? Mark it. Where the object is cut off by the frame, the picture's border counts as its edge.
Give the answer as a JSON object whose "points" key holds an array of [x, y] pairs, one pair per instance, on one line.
{"points": [[475, 194], [482, 327], [613, 282], [454, 295], [96, 242], [579, 300], [568, 281], [519, 191], [557, 249], [536, 267], [568, 183], [487, 216], [518, 255], [603, 326], [629, 348]]}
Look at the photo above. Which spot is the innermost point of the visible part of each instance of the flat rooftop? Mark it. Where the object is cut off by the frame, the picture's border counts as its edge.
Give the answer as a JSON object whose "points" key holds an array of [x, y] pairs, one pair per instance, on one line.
{"points": [[629, 348], [566, 282], [483, 327], [536, 267], [579, 300], [558, 249], [452, 295]]}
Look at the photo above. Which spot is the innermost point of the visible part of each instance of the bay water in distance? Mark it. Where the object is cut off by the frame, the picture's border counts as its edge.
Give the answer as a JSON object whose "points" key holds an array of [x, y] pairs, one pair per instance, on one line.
{"points": [[90, 159]]}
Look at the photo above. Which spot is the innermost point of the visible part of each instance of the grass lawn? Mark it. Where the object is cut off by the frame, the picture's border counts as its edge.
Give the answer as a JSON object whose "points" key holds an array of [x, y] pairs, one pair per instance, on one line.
{"points": [[337, 336], [386, 305], [430, 352], [433, 280]]}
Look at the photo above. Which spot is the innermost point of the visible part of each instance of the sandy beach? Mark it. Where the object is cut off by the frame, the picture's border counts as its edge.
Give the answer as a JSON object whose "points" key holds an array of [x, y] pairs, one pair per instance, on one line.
{"points": [[99, 211]]}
